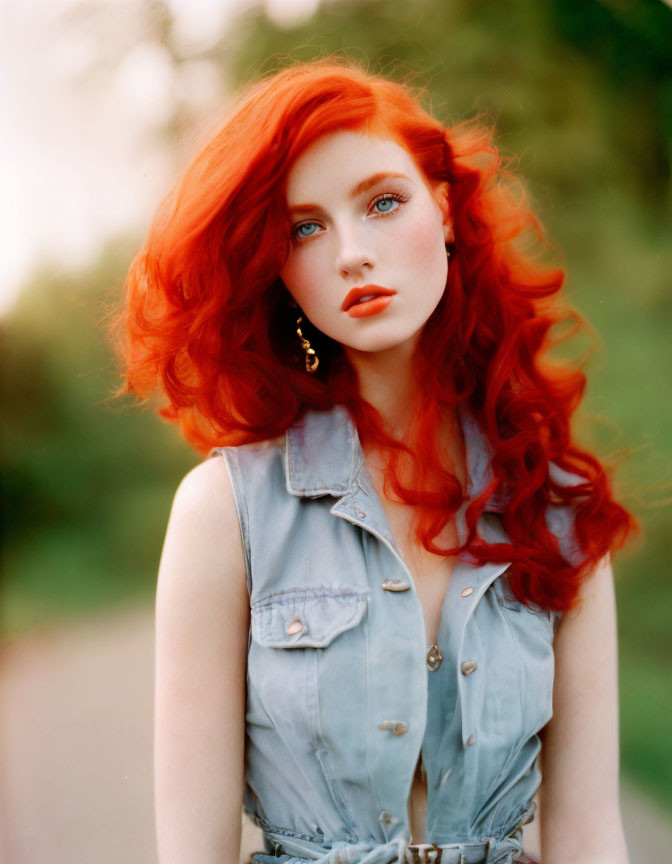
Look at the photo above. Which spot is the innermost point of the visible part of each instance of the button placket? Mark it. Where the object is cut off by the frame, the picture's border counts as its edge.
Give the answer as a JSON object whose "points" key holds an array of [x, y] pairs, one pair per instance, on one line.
{"points": [[465, 645], [378, 526]]}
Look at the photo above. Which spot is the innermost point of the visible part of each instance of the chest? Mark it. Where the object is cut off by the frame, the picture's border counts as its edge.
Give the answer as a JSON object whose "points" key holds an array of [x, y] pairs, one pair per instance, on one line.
{"points": [[431, 572]]}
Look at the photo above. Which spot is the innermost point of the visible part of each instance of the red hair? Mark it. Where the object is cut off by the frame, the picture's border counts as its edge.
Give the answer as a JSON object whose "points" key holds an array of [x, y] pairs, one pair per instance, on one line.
{"points": [[206, 322]]}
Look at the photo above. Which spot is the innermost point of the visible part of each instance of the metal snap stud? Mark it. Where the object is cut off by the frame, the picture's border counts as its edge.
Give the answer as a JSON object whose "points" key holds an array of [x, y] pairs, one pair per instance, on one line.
{"points": [[469, 666], [398, 727], [434, 658], [467, 591], [394, 585], [294, 627], [360, 513]]}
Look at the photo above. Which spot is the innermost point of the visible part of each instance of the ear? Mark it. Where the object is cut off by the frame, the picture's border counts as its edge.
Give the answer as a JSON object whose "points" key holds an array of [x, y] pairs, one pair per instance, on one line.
{"points": [[442, 199]]}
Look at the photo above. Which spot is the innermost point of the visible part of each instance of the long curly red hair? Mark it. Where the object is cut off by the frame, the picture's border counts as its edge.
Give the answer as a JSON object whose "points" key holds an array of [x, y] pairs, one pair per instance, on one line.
{"points": [[205, 322]]}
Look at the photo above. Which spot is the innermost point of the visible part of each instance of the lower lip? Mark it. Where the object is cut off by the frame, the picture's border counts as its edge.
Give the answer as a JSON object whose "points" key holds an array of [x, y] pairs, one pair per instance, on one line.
{"points": [[370, 307]]}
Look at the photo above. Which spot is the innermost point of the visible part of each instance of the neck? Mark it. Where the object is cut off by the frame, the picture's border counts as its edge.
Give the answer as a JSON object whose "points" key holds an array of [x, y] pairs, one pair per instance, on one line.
{"points": [[385, 381]]}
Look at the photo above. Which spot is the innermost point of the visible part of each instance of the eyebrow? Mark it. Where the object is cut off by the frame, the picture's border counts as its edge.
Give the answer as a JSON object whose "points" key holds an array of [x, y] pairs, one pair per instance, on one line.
{"points": [[362, 186]]}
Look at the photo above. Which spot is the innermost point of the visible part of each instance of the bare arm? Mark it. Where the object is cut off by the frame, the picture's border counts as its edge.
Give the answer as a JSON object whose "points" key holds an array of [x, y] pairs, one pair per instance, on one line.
{"points": [[202, 616], [580, 816]]}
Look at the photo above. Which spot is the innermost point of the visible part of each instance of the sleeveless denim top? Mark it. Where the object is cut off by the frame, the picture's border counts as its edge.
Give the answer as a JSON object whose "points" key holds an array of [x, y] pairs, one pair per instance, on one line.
{"points": [[340, 699]]}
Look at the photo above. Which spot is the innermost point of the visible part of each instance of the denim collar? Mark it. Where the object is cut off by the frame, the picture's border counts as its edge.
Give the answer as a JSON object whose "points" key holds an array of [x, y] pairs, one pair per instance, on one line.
{"points": [[324, 455]]}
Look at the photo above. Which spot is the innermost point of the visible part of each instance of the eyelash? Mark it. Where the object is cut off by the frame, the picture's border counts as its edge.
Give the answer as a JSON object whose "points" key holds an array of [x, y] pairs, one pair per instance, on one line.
{"points": [[392, 196]]}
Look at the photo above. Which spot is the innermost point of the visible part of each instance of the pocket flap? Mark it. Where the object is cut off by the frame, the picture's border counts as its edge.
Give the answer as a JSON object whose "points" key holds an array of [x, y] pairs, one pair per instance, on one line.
{"points": [[306, 617]]}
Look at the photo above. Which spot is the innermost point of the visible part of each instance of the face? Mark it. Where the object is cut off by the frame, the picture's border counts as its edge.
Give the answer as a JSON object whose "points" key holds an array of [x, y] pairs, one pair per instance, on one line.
{"points": [[363, 216]]}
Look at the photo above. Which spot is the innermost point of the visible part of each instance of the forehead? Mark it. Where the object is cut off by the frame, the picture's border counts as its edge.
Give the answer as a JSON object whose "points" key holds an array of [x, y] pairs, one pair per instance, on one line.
{"points": [[345, 157]]}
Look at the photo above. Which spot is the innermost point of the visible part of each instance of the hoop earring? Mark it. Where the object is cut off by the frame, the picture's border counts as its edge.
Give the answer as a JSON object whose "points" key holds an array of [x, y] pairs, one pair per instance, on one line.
{"points": [[312, 360]]}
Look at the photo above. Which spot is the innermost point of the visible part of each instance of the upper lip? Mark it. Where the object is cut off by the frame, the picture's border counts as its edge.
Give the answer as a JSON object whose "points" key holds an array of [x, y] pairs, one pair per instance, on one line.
{"points": [[355, 294]]}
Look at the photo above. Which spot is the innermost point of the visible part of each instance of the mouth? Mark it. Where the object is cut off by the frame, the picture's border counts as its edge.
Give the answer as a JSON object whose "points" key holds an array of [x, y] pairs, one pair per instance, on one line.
{"points": [[370, 307], [365, 294]]}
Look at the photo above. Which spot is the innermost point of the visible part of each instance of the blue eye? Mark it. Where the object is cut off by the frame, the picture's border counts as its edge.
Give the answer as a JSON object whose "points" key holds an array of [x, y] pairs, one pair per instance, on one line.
{"points": [[305, 225], [388, 200]]}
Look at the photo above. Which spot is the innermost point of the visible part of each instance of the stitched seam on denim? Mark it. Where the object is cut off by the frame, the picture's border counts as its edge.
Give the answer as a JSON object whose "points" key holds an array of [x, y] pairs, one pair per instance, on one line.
{"points": [[369, 696], [321, 749], [522, 682], [230, 457], [336, 490], [275, 829], [278, 598]]}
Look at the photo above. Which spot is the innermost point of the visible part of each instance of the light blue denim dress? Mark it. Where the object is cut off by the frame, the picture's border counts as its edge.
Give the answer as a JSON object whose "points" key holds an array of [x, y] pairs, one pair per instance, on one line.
{"points": [[340, 699]]}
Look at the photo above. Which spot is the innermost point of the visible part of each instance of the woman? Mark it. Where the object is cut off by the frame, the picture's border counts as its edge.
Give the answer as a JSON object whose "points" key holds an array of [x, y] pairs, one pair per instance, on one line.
{"points": [[392, 579]]}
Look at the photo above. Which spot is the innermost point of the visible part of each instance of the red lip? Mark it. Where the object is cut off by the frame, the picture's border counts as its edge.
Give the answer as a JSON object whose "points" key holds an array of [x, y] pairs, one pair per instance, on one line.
{"points": [[356, 293]]}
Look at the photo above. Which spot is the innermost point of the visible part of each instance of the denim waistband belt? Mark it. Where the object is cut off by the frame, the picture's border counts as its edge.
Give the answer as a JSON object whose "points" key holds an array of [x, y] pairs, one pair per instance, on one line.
{"points": [[290, 850], [489, 851]]}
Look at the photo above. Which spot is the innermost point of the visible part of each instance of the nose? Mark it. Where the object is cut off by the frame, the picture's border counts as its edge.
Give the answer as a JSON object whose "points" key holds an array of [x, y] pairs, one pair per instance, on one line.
{"points": [[354, 254]]}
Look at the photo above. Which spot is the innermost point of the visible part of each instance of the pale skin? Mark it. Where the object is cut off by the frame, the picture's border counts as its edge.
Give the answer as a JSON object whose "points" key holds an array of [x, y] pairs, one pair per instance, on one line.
{"points": [[202, 604]]}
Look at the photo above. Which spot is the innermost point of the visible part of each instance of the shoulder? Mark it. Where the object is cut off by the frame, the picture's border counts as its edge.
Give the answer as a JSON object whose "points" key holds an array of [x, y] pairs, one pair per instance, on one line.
{"points": [[204, 502], [255, 457], [203, 553], [206, 487]]}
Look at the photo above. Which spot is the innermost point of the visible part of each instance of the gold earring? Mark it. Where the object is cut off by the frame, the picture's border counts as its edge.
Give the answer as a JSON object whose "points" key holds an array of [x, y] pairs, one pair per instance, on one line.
{"points": [[312, 360]]}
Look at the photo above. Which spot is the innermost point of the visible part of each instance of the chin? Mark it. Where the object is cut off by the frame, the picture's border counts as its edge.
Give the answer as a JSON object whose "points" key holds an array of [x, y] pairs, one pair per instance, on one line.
{"points": [[379, 342]]}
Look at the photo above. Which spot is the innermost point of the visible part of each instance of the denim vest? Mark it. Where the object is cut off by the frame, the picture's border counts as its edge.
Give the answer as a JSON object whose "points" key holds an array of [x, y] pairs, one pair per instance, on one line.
{"points": [[340, 699]]}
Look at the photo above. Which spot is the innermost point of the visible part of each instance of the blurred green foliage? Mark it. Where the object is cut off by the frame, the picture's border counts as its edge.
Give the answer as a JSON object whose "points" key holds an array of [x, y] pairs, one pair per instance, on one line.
{"points": [[581, 95], [87, 484]]}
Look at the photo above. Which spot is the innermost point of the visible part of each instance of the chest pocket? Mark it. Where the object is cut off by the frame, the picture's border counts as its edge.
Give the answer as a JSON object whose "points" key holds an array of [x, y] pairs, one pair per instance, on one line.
{"points": [[306, 645], [306, 617]]}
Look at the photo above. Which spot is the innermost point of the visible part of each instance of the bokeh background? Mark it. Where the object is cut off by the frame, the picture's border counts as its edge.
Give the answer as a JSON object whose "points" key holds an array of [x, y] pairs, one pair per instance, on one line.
{"points": [[102, 101]]}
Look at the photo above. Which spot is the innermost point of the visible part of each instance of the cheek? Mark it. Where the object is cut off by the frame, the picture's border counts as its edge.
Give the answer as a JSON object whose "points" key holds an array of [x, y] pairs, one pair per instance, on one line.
{"points": [[299, 274], [423, 244]]}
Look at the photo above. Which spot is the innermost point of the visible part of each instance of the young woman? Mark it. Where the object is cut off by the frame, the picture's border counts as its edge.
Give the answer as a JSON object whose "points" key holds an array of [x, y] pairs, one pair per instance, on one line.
{"points": [[391, 581]]}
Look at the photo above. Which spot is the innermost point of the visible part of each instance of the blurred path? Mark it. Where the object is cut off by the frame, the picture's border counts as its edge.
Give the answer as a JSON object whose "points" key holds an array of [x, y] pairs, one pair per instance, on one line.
{"points": [[76, 751]]}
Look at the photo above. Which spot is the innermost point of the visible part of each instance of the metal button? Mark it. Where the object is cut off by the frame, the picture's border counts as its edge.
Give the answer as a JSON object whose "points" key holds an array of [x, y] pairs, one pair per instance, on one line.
{"points": [[387, 818], [471, 739], [467, 591], [394, 585], [434, 658], [469, 666], [360, 513], [398, 727], [294, 627]]}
